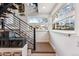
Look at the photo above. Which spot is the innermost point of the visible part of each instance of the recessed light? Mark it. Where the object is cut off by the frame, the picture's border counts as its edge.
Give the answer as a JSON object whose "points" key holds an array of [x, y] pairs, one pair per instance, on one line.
{"points": [[44, 7]]}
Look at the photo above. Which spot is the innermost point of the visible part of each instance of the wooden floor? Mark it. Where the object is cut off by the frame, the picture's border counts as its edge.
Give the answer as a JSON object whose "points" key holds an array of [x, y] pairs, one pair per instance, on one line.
{"points": [[43, 49]]}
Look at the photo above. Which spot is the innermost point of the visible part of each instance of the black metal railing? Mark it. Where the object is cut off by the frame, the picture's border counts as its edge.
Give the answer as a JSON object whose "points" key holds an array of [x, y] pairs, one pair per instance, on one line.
{"points": [[19, 28], [23, 29], [18, 42]]}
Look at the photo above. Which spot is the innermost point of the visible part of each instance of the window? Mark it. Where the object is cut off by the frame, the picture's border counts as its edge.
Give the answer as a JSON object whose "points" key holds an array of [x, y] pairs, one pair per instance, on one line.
{"points": [[66, 24], [38, 22], [33, 20], [64, 19], [66, 9]]}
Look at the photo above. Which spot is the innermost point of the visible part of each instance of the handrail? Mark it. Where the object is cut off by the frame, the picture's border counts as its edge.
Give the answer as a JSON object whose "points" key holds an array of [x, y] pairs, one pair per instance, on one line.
{"points": [[34, 31], [22, 20], [18, 34], [4, 9]]}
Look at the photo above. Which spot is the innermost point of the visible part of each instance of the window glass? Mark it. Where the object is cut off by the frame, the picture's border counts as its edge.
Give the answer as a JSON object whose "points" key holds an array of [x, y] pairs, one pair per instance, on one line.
{"points": [[66, 9], [64, 18], [38, 22]]}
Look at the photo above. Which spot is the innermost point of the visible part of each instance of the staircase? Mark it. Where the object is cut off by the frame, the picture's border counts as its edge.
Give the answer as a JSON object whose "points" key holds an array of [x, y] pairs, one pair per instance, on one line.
{"points": [[18, 30]]}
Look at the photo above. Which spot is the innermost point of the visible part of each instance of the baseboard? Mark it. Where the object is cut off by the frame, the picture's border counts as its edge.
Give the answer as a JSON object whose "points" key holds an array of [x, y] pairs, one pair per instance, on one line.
{"points": [[53, 47], [42, 42]]}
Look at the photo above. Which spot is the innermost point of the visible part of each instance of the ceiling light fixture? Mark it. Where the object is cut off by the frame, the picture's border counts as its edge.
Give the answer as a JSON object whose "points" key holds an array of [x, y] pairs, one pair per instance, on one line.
{"points": [[44, 7]]}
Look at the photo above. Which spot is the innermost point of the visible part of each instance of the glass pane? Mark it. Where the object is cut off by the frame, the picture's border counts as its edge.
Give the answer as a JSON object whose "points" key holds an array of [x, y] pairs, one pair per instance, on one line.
{"points": [[37, 20], [66, 24], [66, 9], [67, 21]]}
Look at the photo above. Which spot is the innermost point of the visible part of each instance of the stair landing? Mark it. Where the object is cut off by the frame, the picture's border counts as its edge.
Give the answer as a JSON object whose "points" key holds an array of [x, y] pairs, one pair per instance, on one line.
{"points": [[43, 47]]}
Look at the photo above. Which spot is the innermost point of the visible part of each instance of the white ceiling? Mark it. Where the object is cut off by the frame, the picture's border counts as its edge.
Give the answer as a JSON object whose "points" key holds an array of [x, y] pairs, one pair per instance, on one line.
{"points": [[45, 8]]}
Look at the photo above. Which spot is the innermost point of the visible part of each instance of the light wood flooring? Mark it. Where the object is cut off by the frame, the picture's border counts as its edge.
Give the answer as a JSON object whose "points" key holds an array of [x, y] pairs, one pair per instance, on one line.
{"points": [[42, 49]]}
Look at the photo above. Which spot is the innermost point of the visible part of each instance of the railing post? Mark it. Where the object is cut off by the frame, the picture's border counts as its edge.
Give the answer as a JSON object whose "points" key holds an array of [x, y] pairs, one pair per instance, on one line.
{"points": [[3, 28], [2, 24], [34, 46]]}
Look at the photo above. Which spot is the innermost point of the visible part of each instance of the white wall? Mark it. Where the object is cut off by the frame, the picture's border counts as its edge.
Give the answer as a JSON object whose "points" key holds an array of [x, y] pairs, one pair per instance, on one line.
{"points": [[58, 41], [42, 36], [65, 45]]}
